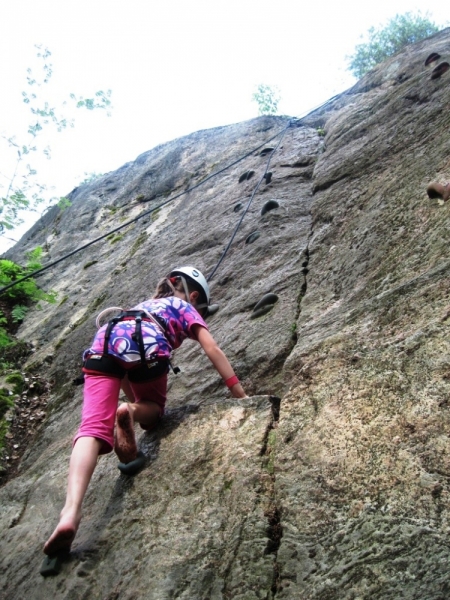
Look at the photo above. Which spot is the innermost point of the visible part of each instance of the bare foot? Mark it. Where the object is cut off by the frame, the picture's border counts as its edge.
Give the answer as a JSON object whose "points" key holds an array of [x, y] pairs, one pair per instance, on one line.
{"points": [[125, 441], [63, 536]]}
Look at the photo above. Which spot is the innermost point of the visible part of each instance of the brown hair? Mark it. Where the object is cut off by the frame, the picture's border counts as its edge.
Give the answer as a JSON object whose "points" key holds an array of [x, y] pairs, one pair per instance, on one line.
{"points": [[167, 287]]}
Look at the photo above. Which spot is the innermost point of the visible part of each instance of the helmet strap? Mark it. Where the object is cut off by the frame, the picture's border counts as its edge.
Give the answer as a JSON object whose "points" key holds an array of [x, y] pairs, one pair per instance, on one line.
{"points": [[185, 288]]}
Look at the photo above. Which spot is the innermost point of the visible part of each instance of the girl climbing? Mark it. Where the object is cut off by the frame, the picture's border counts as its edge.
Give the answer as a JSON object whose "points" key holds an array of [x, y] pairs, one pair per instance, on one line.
{"points": [[133, 351]]}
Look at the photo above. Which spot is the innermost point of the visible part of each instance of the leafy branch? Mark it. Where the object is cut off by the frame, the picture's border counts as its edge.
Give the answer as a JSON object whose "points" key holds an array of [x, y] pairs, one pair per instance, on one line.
{"points": [[267, 98], [22, 190]]}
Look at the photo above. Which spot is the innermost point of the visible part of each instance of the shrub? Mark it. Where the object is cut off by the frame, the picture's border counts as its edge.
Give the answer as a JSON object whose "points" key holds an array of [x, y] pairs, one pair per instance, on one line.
{"points": [[17, 299]]}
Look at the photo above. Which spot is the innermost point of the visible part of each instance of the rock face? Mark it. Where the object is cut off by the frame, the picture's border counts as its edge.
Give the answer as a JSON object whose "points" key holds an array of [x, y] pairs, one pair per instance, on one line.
{"points": [[341, 491]]}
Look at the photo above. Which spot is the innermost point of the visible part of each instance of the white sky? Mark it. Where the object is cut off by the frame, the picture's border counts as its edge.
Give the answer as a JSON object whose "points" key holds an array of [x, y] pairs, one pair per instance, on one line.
{"points": [[174, 67]]}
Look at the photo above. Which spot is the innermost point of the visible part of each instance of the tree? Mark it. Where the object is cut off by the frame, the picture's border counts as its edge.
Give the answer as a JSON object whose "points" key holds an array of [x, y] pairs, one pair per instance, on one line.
{"points": [[267, 98], [20, 189], [385, 41]]}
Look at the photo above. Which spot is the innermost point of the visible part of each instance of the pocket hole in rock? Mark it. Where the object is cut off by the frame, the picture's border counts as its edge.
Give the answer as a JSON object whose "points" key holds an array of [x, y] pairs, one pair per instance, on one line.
{"points": [[261, 311], [432, 58], [252, 237], [440, 70], [268, 206], [267, 299]]}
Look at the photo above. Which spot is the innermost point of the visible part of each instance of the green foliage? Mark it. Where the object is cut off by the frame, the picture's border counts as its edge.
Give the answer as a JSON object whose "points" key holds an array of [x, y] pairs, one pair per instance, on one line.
{"points": [[5, 340], [17, 380], [34, 261], [18, 313], [100, 100], [21, 295], [64, 203], [88, 177], [22, 190], [383, 42], [27, 290], [267, 98], [5, 401]]}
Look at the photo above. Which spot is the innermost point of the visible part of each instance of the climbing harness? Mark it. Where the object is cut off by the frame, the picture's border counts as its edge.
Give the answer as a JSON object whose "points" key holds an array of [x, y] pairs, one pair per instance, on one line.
{"points": [[105, 363]]}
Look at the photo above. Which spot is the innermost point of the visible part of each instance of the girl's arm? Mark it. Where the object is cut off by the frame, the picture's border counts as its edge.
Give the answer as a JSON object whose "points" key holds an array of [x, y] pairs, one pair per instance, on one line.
{"points": [[218, 359]]}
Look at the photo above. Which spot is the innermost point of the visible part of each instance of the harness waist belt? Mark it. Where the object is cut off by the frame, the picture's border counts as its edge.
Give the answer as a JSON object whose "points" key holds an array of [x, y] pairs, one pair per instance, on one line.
{"points": [[110, 366]]}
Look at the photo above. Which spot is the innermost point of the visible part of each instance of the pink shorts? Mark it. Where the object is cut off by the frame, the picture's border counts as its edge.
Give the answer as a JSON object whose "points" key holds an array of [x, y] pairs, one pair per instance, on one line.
{"points": [[101, 396]]}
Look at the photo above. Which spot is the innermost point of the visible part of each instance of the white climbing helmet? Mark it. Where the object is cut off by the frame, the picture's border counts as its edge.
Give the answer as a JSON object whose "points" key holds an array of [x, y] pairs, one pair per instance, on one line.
{"points": [[194, 275]]}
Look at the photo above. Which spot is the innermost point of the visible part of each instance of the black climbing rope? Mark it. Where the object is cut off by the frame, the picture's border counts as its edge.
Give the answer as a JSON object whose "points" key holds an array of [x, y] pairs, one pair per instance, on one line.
{"points": [[144, 214], [296, 120], [236, 229]]}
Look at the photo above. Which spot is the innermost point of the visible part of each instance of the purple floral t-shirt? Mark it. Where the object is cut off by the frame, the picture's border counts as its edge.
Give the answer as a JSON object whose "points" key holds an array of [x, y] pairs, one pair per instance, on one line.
{"points": [[178, 316]]}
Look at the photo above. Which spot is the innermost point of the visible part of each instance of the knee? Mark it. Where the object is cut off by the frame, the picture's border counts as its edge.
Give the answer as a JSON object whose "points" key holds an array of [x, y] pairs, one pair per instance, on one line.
{"points": [[123, 415]]}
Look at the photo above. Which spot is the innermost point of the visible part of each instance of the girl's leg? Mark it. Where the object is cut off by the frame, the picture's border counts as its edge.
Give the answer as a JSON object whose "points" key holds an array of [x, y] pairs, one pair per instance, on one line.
{"points": [[147, 409], [82, 464], [147, 413], [126, 389], [95, 436]]}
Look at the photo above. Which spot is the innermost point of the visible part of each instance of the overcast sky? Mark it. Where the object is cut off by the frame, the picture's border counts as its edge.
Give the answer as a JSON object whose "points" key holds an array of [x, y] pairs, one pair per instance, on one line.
{"points": [[174, 67]]}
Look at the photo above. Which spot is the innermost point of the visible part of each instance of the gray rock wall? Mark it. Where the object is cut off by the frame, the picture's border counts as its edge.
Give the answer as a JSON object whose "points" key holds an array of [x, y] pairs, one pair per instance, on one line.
{"points": [[342, 492]]}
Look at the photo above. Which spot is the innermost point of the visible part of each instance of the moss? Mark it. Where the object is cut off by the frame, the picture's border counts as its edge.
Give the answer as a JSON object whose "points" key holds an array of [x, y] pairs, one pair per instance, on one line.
{"points": [[3, 432], [63, 300], [90, 263], [140, 198], [17, 380], [139, 241], [155, 214], [294, 331], [96, 303], [5, 366], [60, 342], [6, 401], [116, 238]]}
